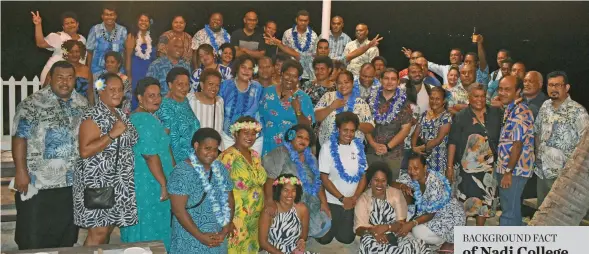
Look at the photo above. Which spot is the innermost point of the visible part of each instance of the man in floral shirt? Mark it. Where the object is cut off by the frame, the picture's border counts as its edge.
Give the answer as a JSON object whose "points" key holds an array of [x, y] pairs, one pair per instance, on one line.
{"points": [[44, 149], [560, 125], [516, 150]]}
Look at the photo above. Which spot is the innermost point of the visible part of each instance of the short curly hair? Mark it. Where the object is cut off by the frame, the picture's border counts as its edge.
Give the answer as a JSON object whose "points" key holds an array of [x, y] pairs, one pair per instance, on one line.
{"points": [[277, 189]]}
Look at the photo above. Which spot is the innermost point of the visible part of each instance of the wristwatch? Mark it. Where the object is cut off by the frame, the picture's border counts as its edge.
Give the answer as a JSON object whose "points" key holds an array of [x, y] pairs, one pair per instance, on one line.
{"points": [[389, 148], [341, 199]]}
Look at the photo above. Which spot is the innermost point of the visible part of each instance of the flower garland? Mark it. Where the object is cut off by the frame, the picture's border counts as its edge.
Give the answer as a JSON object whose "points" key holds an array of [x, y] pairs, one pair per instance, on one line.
{"points": [[245, 125], [287, 180], [434, 205], [295, 37], [212, 37], [394, 106], [113, 35], [311, 188], [351, 101], [221, 215], [138, 42], [333, 147]]}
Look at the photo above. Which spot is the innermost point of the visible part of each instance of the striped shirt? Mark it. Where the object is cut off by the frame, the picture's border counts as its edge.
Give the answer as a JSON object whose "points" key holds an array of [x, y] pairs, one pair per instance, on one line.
{"points": [[337, 45], [209, 116]]}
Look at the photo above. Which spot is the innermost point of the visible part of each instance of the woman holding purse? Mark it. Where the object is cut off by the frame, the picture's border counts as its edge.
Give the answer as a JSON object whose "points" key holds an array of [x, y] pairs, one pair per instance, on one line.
{"points": [[104, 189]]}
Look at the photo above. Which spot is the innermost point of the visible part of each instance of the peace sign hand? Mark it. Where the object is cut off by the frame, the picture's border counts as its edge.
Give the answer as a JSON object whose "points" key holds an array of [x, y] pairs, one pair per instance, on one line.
{"points": [[36, 18], [374, 42], [407, 52]]}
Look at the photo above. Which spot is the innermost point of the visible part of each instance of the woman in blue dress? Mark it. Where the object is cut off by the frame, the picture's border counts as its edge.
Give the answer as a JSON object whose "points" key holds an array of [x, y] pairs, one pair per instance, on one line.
{"points": [[241, 97], [139, 52], [283, 106], [176, 114], [431, 134], [202, 199], [153, 165]]}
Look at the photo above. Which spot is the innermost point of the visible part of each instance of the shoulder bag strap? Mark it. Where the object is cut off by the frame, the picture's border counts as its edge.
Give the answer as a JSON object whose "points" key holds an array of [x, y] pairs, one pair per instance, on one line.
{"points": [[204, 195]]}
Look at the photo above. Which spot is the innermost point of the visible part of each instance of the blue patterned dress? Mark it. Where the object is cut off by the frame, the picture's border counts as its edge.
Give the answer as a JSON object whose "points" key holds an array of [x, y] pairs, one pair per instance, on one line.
{"points": [[185, 181], [179, 118], [239, 103], [438, 158], [82, 86], [153, 140], [278, 116]]}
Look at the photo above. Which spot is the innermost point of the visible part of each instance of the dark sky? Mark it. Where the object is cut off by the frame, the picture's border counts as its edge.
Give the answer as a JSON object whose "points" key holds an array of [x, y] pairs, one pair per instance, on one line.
{"points": [[545, 35]]}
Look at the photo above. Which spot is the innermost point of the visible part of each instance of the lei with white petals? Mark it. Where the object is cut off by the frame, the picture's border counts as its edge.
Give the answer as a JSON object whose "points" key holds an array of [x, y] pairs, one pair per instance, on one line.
{"points": [[138, 42], [222, 215]]}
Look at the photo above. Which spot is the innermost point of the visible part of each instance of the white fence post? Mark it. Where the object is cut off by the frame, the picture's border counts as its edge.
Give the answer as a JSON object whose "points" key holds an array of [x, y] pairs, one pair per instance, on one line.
{"points": [[12, 101]]}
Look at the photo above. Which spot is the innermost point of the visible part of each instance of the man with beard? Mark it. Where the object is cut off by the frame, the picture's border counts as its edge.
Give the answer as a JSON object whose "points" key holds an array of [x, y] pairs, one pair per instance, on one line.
{"points": [[518, 70], [355, 64], [337, 38], [380, 63], [533, 94], [160, 67], [560, 125], [213, 34], [515, 152], [45, 149], [247, 40], [265, 71], [428, 79], [412, 56]]}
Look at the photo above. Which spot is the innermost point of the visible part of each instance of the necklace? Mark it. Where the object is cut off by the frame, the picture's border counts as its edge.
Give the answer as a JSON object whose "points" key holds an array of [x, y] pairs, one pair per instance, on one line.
{"points": [[394, 106], [295, 37], [310, 187], [212, 37], [333, 147], [113, 34], [220, 207], [138, 52]]}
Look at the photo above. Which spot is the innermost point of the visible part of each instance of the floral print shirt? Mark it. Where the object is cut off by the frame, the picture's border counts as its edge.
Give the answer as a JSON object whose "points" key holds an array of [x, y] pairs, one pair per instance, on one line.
{"points": [[315, 91], [361, 109], [278, 116], [455, 95], [558, 131], [50, 126], [518, 126]]}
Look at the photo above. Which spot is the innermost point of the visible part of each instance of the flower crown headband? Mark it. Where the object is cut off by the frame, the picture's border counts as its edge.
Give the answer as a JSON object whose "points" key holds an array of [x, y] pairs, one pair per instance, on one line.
{"points": [[245, 125], [287, 180]]}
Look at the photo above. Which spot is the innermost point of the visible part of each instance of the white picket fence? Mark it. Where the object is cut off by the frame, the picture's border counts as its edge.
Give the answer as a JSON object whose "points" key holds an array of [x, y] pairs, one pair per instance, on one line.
{"points": [[13, 85]]}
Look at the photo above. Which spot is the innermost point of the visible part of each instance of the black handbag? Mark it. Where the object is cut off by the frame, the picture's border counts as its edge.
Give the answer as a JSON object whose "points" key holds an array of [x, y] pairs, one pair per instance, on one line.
{"points": [[104, 197]]}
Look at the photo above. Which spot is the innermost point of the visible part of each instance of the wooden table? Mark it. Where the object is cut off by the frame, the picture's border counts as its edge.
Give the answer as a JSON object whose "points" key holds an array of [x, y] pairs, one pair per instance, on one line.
{"points": [[157, 247]]}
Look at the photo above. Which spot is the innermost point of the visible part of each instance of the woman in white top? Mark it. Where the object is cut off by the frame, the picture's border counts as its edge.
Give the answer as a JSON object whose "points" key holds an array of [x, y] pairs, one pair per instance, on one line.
{"points": [[53, 41], [207, 105], [342, 163]]}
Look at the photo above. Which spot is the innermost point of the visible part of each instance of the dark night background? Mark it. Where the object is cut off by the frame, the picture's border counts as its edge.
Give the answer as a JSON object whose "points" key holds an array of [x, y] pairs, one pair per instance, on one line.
{"points": [[547, 36]]}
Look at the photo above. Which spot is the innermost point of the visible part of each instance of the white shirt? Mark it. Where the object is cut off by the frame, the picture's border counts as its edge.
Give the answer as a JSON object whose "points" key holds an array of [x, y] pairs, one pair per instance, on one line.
{"points": [[356, 63], [349, 155], [423, 99], [207, 115]]}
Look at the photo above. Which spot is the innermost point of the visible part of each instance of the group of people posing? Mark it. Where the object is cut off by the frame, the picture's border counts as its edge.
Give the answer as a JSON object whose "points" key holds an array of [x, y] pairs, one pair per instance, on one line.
{"points": [[243, 143]]}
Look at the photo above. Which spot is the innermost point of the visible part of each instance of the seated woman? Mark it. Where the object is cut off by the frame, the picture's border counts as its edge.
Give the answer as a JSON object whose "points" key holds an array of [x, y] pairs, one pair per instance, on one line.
{"points": [[437, 213], [380, 213], [202, 199], [287, 230], [295, 157], [73, 52]]}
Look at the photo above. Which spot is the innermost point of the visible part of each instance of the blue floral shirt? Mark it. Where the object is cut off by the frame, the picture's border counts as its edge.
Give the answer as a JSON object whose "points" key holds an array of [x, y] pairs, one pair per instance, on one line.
{"points": [[518, 126], [100, 42], [239, 103], [159, 69], [278, 116], [50, 126], [558, 132]]}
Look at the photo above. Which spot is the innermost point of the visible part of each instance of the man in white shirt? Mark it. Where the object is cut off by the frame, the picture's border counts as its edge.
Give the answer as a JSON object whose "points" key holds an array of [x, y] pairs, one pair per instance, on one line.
{"points": [[361, 40], [343, 178]]}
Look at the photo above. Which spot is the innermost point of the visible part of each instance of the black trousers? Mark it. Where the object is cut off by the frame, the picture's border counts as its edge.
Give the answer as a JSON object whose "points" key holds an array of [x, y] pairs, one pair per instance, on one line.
{"points": [[46, 220], [342, 226]]}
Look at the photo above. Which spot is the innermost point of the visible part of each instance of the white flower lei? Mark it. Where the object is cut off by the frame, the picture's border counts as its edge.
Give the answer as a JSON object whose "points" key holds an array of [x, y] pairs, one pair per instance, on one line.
{"points": [[138, 43], [221, 215]]}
